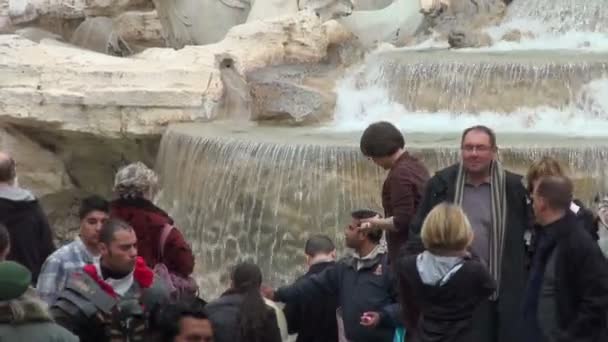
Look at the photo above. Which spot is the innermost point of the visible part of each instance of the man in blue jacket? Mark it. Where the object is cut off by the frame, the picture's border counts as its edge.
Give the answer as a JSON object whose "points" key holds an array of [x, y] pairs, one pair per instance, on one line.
{"points": [[361, 282]]}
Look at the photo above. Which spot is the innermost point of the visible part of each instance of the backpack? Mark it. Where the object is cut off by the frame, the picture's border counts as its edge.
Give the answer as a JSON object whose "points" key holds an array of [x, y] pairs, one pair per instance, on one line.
{"points": [[179, 287]]}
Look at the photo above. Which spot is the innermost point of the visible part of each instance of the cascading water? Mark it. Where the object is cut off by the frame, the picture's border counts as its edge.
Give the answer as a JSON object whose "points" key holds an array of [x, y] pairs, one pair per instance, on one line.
{"points": [[251, 193], [241, 191], [443, 81], [563, 15]]}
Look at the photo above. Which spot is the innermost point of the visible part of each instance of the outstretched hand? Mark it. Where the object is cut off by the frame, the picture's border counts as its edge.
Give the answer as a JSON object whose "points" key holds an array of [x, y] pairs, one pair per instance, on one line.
{"points": [[267, 292], [370, 319], [370, 223]]}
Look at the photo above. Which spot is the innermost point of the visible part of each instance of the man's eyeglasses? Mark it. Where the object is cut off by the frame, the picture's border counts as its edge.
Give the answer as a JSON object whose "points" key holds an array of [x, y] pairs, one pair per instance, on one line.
{"points": [[478, 148]]}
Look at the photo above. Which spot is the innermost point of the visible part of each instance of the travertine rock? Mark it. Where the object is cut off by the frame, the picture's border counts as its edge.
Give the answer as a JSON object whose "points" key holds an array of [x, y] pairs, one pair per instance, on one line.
{"points": [[446, 16], [140, 28], [22, 11], [462, 38], [38, 168], [75, 90]]}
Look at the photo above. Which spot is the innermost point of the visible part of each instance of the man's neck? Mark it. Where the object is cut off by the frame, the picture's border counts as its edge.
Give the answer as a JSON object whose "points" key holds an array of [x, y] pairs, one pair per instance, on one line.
{"points": [[366, 249], [107, 272], [477, 179], [552, 218], [320, 259], [396, 156], [6, 184], [92, 249]]}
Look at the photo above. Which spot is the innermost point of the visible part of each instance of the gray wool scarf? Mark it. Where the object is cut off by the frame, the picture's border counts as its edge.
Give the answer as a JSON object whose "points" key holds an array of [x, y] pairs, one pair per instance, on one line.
{"points": [[499, 215]]}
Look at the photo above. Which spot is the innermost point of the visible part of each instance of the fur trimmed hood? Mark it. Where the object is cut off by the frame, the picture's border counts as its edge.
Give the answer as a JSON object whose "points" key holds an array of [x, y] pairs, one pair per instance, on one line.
{"points": [[28, 308]]}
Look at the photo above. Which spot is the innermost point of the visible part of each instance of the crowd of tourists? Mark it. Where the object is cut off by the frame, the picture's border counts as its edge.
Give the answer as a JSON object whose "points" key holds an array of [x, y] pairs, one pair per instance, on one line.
{"points": [[475, 253]]}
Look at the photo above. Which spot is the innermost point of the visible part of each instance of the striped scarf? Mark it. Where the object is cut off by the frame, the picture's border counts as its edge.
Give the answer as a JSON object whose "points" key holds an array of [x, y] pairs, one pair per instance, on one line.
{"points": [[499, 216]]}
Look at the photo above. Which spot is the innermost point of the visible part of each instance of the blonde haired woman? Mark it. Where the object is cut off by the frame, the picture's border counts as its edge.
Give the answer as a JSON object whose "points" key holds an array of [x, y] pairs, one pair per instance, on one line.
{"points": [[444, 281]]}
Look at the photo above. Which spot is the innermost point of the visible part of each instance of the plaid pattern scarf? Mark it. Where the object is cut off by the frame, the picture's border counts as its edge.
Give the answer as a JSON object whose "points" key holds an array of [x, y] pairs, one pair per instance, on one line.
{"points": [[499, 215]]}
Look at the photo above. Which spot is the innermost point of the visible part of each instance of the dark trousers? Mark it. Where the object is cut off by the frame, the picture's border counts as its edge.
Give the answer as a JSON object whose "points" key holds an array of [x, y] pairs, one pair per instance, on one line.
{"points": [[485, 322]]}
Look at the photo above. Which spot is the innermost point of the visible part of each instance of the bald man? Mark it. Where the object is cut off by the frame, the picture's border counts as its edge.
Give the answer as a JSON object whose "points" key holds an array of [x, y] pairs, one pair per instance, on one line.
{"points": [[30, 235]]}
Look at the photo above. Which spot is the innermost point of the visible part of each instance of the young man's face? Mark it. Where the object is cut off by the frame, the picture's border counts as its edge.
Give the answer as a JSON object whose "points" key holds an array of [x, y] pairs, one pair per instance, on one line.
{"points": [[353, 235], [90, 226], [192, 329], [121, 253]]}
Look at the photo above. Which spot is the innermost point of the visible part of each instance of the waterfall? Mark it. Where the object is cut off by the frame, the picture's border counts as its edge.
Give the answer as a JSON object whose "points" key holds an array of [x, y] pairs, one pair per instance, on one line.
{"points": [[244, 192], [563, 15]]}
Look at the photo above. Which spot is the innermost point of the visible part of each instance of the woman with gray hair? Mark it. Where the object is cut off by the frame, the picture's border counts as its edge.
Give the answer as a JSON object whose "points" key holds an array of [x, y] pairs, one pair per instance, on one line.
{"points": [[158, 241]]}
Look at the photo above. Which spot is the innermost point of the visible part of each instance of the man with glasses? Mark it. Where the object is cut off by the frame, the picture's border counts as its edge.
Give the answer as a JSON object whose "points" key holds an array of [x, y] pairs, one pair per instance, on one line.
{"points": [[74, 256], [496, 204]]}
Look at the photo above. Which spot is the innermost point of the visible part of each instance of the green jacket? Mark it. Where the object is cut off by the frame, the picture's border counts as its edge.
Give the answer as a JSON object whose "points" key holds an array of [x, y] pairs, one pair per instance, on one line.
{"points": [[35, 324]]}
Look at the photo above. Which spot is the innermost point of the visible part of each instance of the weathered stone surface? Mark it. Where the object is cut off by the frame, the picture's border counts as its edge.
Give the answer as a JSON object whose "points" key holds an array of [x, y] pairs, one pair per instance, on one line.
{"points": [[98, 34], [462, 38], [392, 24], [446, 16], [38, 168], [22, 11], [71, 89], [140, 28], [293, 94]]}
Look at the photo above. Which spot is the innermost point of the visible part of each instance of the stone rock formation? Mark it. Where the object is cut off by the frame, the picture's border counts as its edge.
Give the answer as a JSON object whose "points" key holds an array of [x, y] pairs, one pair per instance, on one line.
{"points": [[461, 21], [125, 20], [89, 113], [462, 38], [392, 24], [196, 22]]}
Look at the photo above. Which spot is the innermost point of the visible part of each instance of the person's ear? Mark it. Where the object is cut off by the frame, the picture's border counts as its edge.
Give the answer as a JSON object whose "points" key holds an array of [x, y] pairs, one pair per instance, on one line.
{"points": [[333, 254]]}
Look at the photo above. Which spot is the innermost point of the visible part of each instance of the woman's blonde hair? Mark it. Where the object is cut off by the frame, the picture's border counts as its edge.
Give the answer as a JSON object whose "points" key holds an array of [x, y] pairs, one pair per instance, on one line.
{"points": [[446, 229], [544, 167]]}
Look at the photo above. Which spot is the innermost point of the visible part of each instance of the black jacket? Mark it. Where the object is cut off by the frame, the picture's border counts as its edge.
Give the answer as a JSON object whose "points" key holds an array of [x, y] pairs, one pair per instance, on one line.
{"points": [[447, 310], [441, 188], [313, 321], [581, 283], [224, 314], [29, 231], [371, 288], [587, 220]]}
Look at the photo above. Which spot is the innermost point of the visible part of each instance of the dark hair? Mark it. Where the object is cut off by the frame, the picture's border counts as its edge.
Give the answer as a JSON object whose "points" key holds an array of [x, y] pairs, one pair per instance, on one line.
{"points": [[318, 244], [169, 315], [246, 280], [375, 235], [8, 170], [481, 128], [93, 203], [5, 238], [556, 190], [381, 139], [110, 227], [361, 214]]}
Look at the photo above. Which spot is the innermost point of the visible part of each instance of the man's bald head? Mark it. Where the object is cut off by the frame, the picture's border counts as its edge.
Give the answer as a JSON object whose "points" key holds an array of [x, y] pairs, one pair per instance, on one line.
{"points": [[7, 168]]}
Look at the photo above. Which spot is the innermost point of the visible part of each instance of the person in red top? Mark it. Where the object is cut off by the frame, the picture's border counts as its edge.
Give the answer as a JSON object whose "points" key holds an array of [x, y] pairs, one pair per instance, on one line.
{"points": [[403, 188], [134, 185]]}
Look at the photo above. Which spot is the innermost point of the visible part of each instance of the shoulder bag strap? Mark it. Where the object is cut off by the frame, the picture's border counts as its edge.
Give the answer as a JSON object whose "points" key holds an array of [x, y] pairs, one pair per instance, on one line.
{"points": [[167, 228]]}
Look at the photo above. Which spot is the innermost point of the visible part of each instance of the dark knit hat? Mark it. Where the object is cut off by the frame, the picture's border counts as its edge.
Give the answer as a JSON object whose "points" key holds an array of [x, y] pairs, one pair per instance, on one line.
{"points": [[14, 280]]}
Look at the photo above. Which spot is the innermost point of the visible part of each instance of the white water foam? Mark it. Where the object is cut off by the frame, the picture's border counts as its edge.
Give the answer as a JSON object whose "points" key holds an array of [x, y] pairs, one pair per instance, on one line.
{"points": [[537, 35], [356, 108]]}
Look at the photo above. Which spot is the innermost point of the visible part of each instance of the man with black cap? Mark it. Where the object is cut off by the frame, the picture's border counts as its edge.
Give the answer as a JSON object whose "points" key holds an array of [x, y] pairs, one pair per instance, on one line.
{"points": [[24, 316]]}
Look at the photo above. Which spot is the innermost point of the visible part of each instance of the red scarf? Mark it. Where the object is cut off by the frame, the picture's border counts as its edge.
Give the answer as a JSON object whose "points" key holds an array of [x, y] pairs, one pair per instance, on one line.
{"points": [[142, 274]]}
